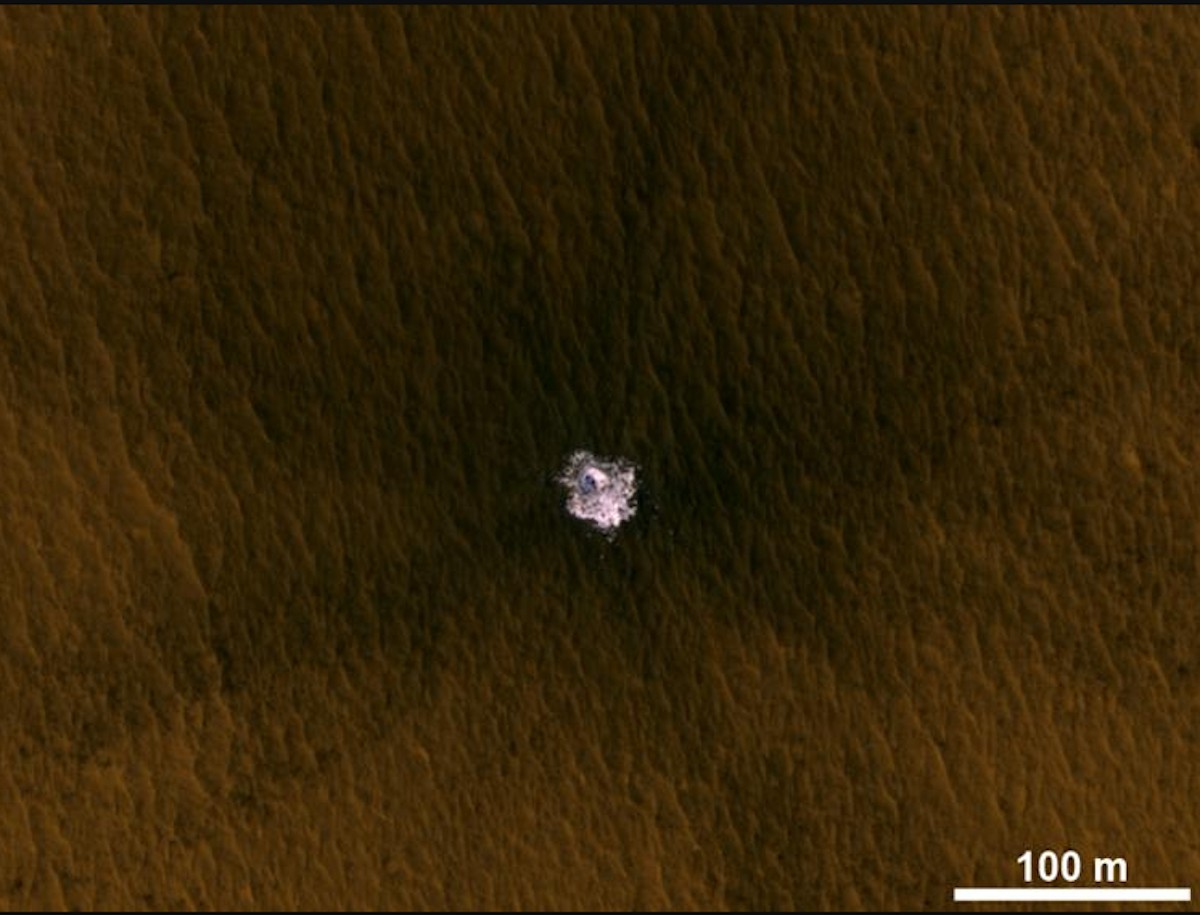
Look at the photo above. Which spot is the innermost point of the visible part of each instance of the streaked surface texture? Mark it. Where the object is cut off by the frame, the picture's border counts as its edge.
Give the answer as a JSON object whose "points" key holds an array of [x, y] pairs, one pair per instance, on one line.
{"points": [[301, 309]]}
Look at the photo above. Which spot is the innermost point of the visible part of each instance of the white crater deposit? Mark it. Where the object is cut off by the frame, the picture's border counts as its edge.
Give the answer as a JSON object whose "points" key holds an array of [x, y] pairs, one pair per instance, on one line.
{"points": [[600, 491]]}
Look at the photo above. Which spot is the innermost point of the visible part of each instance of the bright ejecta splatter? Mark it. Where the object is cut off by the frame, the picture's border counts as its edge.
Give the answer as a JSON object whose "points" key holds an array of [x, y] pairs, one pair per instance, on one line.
{"points": [[600, 491]]}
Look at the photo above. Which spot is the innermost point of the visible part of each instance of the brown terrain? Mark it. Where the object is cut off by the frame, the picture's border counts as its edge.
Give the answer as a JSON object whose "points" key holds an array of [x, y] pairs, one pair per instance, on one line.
{"points": [[897, 310]]}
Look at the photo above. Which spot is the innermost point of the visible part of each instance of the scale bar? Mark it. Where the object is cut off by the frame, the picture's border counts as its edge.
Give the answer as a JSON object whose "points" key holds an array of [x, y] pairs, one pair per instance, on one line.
{"points": [[1072, 894]]}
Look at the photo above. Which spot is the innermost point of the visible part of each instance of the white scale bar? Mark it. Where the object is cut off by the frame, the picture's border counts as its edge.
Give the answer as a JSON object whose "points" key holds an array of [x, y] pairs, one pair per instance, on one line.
{"points": [[1072, 894]]}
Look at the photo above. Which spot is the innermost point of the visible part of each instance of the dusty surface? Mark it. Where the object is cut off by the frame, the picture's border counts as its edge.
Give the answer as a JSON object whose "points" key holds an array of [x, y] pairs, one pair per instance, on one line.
{"points": [[301, 310]]}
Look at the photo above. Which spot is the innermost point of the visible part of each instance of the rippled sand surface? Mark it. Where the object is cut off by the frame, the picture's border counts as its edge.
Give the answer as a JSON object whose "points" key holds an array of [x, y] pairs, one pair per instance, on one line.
{"points": [[301, 310]]}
